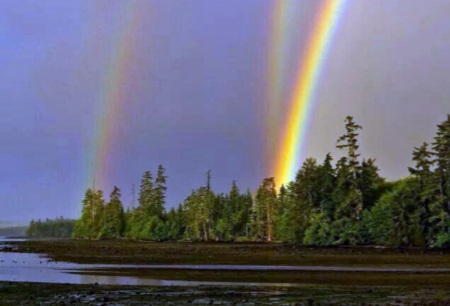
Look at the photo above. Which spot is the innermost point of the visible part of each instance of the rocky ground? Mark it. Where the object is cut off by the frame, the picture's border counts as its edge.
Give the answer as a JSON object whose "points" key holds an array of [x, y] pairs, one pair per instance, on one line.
{"points": [[65, 294]]}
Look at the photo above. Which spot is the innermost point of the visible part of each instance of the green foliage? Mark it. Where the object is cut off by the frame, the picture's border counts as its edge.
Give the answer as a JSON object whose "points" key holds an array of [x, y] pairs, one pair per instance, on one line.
{"points": [[113, 217], [342, 203], [265, 209], [394, 220], [91, 221], [56, 228], [146, 196], [319, 232], [158, 199]]}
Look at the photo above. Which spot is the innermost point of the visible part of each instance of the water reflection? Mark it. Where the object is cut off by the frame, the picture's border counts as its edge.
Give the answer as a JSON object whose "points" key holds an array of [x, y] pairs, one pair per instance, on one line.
{"points": [[25, 267], [6, 239]]}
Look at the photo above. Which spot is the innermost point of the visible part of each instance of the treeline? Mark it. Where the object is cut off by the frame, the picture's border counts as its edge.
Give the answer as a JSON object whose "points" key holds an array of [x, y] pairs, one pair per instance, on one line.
{"points": [[342, 203], [56, 228]]}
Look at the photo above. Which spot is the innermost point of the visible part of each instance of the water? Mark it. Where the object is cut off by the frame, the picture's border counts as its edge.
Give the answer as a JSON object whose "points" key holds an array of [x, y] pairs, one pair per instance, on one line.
{"points": [[6, 239], [25, 267]]}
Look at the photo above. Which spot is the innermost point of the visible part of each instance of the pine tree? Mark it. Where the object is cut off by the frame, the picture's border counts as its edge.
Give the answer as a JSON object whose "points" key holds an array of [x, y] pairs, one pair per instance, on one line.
{"points": [[146, 195], [349, 142], [394, 220], [90, 223], [265, 209], [327, 184], [283, 224], [198, 212], [369, 181], [234, 210], [197, 215], [441, 148], [306, 200], [159, 193], [306, 184], [114, 220], [348, 170]]}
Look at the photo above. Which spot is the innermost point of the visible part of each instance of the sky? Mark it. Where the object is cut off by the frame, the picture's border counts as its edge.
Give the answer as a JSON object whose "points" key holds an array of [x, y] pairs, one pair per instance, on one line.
{"points": [[190, 81]]}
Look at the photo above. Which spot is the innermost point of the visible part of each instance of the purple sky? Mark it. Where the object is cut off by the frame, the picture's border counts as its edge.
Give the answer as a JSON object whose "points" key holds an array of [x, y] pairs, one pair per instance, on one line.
{"points": [[198, 92]]}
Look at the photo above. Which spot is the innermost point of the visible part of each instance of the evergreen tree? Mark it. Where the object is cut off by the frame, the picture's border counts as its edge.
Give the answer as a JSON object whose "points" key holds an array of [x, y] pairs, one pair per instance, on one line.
{"points": [[56, 228], [348, 203], [265, 209], [326, 185], [349, 142], [146, 196], [176, 224], [90, 223], [198, 212], [315, 226], [369, 182], [441, 148], [351, 203], [285, 223], [394, 220], [114, 217], [424, 193], [159, 193]]}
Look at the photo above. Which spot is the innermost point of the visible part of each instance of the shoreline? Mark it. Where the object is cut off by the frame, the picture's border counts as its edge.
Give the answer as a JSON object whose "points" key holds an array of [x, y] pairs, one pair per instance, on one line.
{"points": [[324, 287], [184, 253]]}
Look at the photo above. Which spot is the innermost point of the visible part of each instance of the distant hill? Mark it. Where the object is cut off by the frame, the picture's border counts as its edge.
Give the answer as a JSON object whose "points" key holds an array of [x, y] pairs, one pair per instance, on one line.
{"points": [[9, 224], [13, 231]]}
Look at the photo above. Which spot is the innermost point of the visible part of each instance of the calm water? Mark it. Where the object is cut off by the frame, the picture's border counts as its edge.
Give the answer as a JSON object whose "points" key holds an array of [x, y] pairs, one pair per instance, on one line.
{"points": [[24, 267]]}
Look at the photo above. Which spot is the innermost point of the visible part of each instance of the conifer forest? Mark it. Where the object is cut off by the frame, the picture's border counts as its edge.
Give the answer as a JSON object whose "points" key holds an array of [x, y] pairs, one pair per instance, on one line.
{"points": [[330, 203]]}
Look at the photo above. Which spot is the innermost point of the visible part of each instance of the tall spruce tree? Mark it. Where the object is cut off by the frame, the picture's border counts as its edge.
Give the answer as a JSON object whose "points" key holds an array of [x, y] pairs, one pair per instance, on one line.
{"points": [[158, 199], [327, 184], [114, 216], [265, 209], [424, 193], [440, 208], [441, 148], [348, 171], [146, 196], [91, 221], [369, 182]]}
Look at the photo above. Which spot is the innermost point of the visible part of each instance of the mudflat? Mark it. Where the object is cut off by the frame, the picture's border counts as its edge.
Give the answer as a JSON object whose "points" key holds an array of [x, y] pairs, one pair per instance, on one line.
{"points": [[311, 287], [69, 294], [137, 252]]}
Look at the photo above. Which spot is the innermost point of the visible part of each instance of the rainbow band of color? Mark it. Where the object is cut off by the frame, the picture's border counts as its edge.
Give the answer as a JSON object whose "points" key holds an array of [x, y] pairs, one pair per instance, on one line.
{"points": [[113, 95], [294, 135]]}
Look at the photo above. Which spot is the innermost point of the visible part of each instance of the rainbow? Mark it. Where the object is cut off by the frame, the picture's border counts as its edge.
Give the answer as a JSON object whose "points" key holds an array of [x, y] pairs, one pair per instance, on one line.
{"points": [[113, 95], [294, 133], [277, 56]]}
